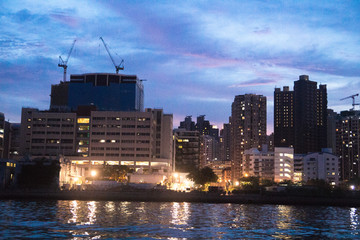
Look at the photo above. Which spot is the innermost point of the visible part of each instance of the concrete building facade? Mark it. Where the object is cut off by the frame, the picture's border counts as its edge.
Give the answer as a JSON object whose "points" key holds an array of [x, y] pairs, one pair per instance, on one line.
{"points": [[283, 164], [321, 165], [248, 128], [133, 139], [258, 164]]}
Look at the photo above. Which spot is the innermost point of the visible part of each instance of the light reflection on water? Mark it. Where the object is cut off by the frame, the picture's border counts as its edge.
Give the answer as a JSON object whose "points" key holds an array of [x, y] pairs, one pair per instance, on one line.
{"points": [[150, 220]]}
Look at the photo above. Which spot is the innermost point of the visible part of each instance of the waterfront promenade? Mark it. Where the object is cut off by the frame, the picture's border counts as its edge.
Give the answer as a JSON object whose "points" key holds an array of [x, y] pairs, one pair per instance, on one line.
{"points": [[172, 196]]}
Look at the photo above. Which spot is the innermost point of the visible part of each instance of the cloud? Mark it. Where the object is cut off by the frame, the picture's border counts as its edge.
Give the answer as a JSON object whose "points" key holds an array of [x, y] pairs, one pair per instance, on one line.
{"points": [[190, 52], [254, 82]]}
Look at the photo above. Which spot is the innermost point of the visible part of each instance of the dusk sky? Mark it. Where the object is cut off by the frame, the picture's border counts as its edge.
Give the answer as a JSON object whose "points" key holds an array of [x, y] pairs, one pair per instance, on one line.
{"points": [[195, 55]]}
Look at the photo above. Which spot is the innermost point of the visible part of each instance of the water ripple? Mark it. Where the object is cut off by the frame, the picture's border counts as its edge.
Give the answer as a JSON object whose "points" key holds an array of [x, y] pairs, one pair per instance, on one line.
{"points": [[139, 220]]}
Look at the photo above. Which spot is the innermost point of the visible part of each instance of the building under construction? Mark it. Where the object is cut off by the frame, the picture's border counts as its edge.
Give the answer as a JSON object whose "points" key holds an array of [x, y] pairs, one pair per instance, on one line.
{"points": [[105, 91]]}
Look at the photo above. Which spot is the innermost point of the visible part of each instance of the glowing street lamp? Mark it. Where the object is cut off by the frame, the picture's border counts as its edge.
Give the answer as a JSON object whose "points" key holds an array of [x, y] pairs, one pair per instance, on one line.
{"points": [[352, 187], [93, 173]]}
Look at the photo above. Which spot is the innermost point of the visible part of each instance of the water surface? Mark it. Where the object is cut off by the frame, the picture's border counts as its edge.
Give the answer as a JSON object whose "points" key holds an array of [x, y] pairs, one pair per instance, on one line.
{"points": [[154, 220]]}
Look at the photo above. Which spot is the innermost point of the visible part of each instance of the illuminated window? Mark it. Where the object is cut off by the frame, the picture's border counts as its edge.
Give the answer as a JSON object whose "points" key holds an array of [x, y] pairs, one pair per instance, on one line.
{"points": [[83, 149], [83, 120], [112, 162], [142, 163], [97, 162], [127, 163], [83, 142], [155, 164], [80, 162], [84, 128]]}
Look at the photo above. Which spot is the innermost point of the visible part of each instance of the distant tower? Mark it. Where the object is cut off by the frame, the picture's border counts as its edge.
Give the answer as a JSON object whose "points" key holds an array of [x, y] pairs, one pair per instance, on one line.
{"points": [[284, 117], [248, 128], [300, 116], [348, 143], [225, 142]]}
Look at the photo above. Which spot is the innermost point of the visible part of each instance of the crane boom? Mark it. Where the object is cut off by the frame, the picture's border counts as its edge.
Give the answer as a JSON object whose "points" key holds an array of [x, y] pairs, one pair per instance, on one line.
{"points": [[353, 100], [117, 67], [63, 63]]}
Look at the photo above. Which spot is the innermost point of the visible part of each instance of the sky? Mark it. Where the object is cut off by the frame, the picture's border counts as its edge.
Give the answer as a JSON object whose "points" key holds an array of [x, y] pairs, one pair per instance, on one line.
{"points": [[196, 56]]}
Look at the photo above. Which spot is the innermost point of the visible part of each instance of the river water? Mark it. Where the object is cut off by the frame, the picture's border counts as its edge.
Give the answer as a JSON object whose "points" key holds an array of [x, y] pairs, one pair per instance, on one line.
{"points": [[153, 220]]}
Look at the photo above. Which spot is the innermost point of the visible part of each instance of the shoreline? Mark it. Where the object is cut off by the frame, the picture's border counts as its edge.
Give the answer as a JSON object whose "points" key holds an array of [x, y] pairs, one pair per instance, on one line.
{"points": [[170, 196]]}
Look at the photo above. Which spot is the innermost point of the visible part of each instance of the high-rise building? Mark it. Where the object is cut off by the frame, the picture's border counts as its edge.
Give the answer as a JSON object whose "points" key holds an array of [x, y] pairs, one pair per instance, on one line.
{"points": [[207, 150], [105, 91], [284, 117], [225, 142], [332, 118], [348, 143], [4, 137], [300, 116], [187, 150], [248, 128]]}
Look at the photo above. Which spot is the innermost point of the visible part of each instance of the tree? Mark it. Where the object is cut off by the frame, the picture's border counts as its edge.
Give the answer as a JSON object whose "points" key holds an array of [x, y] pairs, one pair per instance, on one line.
{"points": [[321, 183], [250, 183], [116, 172], [202, 176]]}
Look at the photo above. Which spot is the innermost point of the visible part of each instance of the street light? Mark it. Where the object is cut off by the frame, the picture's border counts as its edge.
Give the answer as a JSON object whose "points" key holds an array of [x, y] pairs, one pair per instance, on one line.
{"points": [[93, 173]]}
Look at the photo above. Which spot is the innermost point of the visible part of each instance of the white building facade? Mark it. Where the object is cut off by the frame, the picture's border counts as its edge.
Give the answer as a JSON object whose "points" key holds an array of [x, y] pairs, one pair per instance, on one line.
{"points": [[283, 164], [321, 165]]}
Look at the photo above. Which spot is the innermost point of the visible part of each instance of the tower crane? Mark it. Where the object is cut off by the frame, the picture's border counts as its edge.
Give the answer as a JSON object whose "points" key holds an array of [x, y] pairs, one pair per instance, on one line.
{"points": [[63, 63], [117, 67], [353, 100]]}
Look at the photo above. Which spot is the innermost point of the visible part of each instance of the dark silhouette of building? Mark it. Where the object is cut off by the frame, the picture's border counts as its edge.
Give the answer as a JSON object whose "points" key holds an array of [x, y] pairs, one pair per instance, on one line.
{"points": [[248, 128], [15, 139], [106, 91], [4, 137], [300, 116], [188, 124], [284, 118], [332, 118], [187, 150], [348, 143], [205, 128], [225, 141]]}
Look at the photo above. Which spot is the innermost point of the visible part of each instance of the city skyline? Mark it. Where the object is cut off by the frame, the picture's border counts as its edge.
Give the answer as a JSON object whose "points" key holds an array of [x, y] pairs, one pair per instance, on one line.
{"points": [[196, 57]]}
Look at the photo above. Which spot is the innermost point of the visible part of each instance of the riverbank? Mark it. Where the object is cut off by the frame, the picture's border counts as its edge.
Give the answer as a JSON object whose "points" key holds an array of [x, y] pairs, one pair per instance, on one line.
{"points": [[171, 196]]}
